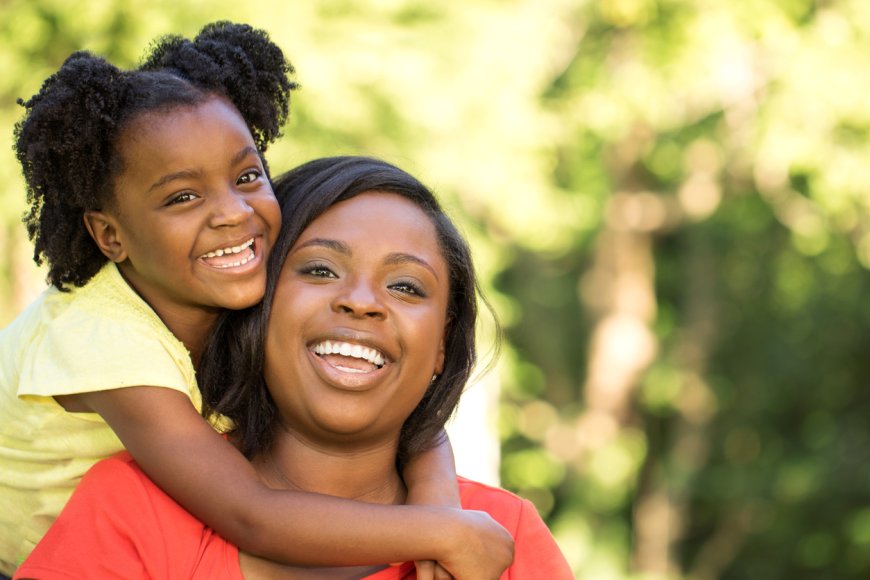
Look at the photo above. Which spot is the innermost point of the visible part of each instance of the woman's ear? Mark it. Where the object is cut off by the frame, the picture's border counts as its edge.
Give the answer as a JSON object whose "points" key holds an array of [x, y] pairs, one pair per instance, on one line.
{"points": [[105, 232], [439, 358]]}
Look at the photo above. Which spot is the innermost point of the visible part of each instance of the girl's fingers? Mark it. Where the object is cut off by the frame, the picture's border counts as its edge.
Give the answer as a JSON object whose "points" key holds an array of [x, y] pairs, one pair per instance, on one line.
{"points": [[425, 569]]}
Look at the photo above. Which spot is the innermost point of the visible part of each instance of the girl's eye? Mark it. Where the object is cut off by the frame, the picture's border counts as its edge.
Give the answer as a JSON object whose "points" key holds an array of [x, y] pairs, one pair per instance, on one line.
{"points": [[182, 197], [406, 287], [318, 271], [249, 176]]}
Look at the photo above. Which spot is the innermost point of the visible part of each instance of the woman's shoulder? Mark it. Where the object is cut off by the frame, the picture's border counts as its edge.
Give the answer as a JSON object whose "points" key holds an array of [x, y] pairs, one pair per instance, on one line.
{"points": [[117, 486], [476, 491], [120, 464], [506, 507], [119, 480], [536, 553], [116, 515]]}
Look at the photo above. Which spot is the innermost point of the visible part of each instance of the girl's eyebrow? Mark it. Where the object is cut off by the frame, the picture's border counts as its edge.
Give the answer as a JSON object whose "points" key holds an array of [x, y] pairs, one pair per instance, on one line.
{"points": [[392, 259], [190, 173], [244, 152], [169, 177]]}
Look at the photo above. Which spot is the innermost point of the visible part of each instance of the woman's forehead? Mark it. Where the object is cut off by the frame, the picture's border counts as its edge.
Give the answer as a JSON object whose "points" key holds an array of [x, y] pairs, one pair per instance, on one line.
{"points": [[375, 215]]}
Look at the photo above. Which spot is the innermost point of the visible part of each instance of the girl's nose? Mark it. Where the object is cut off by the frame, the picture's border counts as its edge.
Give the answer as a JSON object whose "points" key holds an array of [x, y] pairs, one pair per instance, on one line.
{"points": [[231, 208]]}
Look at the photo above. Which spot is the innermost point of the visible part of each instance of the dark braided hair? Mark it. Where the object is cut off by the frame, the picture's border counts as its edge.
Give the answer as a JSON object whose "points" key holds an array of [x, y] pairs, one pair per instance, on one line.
{"points": [[67, 141], [231, 369]]}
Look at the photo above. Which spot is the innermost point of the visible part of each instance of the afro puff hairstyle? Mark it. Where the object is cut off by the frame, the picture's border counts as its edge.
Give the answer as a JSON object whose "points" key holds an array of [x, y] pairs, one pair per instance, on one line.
{"points": [[67, 140]]}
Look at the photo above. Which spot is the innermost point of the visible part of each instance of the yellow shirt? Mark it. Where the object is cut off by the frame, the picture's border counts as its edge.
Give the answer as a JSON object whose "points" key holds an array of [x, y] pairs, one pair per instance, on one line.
{"points": [[98, 337]]}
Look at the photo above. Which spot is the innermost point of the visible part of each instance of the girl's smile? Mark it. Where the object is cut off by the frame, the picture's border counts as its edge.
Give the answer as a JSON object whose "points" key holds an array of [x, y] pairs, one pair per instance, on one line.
{"points": [[230, 257]]}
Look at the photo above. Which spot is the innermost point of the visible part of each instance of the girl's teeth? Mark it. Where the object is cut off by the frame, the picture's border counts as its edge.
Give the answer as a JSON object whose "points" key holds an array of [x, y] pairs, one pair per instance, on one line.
{"points": [[236, 264], [232, 250]]}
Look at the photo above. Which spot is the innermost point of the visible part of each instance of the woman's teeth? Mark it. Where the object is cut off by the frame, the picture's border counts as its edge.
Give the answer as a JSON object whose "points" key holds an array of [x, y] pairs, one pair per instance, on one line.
{"points": [[370, 355]]}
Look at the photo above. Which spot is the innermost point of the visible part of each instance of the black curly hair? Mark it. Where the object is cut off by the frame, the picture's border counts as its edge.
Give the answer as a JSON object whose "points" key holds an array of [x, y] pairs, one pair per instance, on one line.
{"points": [[67, 140]]}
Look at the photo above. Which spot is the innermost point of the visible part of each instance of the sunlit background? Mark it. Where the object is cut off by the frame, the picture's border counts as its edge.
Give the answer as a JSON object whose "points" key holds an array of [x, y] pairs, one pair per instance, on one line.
{"points": [[668, 202]]}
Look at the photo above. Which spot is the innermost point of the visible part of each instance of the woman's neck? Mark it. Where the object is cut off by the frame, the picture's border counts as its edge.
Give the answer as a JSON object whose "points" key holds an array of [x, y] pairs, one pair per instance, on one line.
{"points": [[369, 475]]}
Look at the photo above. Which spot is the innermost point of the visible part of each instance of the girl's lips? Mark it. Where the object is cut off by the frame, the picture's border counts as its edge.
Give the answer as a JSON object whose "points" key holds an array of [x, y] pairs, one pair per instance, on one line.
{"points": [[235, 259], [229, 251]]}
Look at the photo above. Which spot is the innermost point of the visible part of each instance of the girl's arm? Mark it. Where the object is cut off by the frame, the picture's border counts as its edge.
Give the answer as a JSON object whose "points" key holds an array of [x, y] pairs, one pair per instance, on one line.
{"points": [[431, 480], [204, 473], [431, 476]]}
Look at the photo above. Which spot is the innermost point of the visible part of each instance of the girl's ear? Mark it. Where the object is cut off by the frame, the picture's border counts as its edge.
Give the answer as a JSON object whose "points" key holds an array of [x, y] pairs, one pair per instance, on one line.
{"points": [[105, 232]]}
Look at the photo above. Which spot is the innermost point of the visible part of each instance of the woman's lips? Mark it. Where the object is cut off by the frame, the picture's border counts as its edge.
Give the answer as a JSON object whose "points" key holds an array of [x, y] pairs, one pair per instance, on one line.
{"points": [[361, 367]]}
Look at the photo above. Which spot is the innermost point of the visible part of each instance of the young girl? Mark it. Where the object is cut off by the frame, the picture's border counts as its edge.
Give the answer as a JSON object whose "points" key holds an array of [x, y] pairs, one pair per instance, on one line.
{"points": [[151, 204], [368, 333]]}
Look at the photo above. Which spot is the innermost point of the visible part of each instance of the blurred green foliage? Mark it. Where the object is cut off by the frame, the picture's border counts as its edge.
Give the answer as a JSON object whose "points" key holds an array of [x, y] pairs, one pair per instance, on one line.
{"points": [[668, 202]]}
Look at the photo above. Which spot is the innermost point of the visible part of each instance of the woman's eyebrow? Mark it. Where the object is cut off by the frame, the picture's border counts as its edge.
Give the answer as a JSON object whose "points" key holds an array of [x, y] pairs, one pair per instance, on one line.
{"points": [[395, 258], [335, 245], [402, 258]]}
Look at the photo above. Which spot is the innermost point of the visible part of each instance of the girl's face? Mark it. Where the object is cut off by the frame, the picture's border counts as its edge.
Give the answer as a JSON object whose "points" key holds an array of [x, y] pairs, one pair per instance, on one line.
{"points": [[357, 324], [194, 213]]}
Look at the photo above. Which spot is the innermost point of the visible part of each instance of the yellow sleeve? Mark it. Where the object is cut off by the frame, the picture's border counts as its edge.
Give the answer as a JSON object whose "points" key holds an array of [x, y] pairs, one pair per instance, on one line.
{"points": [[92, 347]]}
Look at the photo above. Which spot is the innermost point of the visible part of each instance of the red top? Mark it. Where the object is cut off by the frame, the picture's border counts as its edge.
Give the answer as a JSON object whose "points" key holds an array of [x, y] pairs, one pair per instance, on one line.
{"points": [[119, 524]]}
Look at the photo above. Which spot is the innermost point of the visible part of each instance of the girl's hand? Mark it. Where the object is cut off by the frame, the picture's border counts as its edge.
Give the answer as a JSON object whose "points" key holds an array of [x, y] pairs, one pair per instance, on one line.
{"points": [[431, 570], [481, 548]]}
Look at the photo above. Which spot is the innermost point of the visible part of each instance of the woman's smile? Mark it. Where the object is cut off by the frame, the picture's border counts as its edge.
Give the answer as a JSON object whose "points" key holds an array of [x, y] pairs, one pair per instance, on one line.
{"points": [[352, 357], [349, 363], [347, 372]]}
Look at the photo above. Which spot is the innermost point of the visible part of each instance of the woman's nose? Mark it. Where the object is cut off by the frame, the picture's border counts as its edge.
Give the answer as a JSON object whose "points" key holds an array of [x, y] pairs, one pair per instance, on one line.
{"points": [[359, 298]]}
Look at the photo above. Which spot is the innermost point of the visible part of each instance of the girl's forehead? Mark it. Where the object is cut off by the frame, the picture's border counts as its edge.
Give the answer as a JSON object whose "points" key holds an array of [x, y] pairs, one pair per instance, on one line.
{"points": [[199, 141], [163, 117]]}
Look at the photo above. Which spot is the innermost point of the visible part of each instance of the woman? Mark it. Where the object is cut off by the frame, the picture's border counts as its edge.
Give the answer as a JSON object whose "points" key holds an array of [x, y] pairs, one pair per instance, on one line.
{"points": [[371, 307]]}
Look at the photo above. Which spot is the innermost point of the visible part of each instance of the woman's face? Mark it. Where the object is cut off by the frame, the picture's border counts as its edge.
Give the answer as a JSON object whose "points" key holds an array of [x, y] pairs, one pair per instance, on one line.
{"points": [[358, 321]]}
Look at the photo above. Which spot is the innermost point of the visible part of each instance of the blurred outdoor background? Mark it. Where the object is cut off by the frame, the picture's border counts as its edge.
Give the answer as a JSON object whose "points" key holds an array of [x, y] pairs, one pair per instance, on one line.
{"points": [[668, 204]]}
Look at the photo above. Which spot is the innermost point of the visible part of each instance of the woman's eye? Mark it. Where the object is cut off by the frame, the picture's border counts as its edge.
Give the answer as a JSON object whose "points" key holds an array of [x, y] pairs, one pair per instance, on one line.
{"points": [[249, 176], [318, 271], [408, 288]]}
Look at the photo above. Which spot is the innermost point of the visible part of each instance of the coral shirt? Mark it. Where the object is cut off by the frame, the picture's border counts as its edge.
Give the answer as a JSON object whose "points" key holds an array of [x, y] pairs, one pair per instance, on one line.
{"points": [[119, 524]]}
